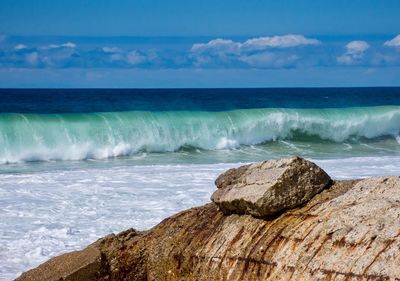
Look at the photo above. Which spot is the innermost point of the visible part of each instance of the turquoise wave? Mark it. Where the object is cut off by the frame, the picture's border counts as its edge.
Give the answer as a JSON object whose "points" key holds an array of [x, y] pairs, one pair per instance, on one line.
{"points": [[36, 137]]}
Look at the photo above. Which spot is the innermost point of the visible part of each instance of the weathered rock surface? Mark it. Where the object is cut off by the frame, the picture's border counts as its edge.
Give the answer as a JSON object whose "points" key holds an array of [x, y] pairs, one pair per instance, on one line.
{"points": [[266, 188], [78, 265], [348, 231]]}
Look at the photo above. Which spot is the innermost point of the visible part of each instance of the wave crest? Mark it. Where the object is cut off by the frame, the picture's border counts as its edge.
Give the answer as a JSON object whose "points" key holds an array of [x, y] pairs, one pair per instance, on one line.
{"points": [[35, 137]]}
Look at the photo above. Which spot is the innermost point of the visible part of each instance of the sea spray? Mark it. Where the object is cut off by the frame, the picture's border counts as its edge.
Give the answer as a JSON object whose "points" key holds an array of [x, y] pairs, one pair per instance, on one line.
{"points": [[36, 137]]}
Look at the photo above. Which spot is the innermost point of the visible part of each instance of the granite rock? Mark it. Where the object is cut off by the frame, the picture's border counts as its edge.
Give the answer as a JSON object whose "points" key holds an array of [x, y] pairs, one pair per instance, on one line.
{"points": [[267, 188]]}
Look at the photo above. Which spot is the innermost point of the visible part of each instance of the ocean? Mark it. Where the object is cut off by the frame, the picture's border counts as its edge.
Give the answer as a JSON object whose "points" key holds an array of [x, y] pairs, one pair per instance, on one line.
{"points": [[78, 164]]}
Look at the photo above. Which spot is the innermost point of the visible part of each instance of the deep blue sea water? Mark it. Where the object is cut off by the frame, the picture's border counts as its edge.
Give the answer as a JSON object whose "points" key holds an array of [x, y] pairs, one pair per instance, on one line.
{"points": [[46, 101], [78, 164]]}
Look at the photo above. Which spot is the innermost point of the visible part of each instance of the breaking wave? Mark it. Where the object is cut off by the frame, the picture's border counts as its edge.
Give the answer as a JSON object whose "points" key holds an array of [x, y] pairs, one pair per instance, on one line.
{"points": [[42, 137]]}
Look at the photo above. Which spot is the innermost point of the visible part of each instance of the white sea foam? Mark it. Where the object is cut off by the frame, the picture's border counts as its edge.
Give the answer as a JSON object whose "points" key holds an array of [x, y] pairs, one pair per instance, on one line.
{"points": [[30, 137], [46, 213]]}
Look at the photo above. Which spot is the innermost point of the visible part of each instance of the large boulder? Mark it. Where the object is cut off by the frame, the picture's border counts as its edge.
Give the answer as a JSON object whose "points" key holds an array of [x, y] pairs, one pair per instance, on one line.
{"points": [[267, 188]]}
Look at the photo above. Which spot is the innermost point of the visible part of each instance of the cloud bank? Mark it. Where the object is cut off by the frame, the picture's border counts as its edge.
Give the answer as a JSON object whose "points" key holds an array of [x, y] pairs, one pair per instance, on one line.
{"points": [[260, 52], [265, 52]]}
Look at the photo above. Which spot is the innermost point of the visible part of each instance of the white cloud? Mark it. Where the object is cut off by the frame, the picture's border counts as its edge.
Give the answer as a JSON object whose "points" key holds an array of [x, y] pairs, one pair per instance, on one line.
{"points": [[357, 47], [65, 45], [345, 59], [219, 45], [20, 47], [215, 53], [288, 51], [355, 51], [68, 45], [251, 52], [260, 43], [274, 51], [395, 42], [135, 58], [285, 41]]}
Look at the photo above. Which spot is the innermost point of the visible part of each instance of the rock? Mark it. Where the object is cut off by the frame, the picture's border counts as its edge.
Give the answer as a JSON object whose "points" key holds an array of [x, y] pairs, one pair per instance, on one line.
{"points": [[95, 262], [78, 265], [266, 188], [348, 231]]}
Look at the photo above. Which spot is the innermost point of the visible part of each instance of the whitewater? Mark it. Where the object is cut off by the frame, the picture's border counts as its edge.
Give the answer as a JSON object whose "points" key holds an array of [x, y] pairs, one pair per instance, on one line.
{"points": [[44, 137], [48, 212], [76, 165]]}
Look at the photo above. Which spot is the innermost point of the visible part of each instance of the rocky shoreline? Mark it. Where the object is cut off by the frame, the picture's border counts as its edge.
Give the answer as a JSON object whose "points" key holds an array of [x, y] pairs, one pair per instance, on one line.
{"points": [[275, 220]]}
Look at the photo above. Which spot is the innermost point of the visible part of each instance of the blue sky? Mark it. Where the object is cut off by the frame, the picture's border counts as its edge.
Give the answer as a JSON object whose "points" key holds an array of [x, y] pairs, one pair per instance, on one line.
{"points": [[253, 43]]}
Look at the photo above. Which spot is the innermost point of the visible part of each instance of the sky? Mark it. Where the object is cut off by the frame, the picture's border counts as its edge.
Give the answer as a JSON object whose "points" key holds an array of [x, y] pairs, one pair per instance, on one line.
{"points": [[159, 44]]}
